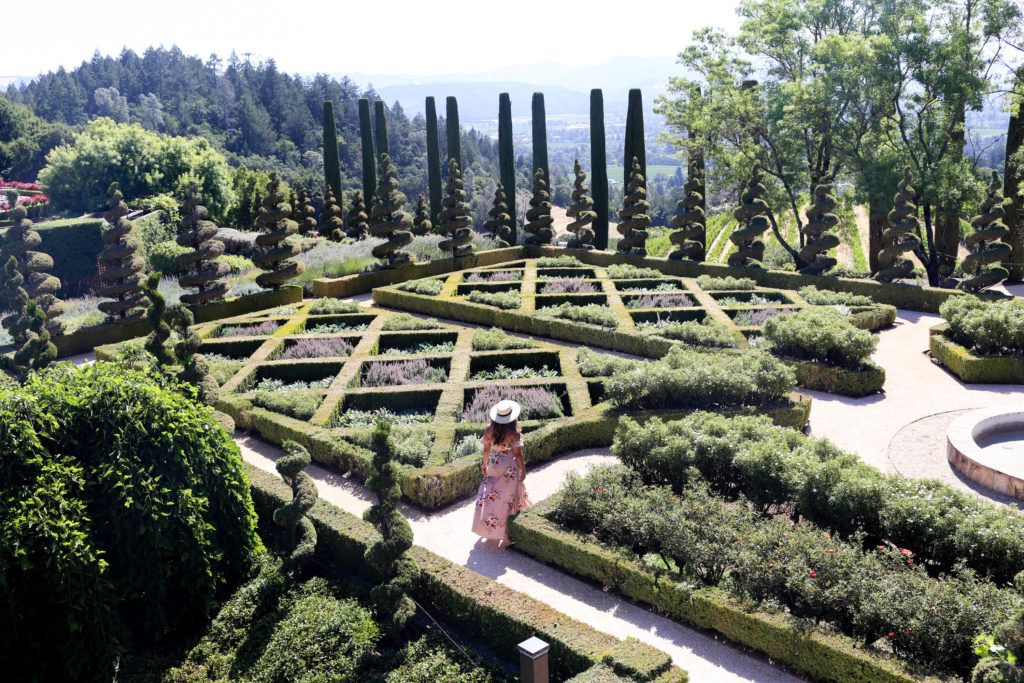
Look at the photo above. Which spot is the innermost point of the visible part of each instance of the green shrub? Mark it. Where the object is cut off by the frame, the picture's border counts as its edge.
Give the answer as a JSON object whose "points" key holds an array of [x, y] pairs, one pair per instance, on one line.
{"points": [[508, 301], [989, 328], [409, 446], [426, 661], [221, 367], [591, 314], [405, 321], [593, 364], [711, 284], [124, 510], [496, 339], [820, 334], [705, 334], [427, 287], [330, 305], [501, 372], [295, 399], [559, 262], [690, 379], [825, 297], [627, 271], [161, 256]]}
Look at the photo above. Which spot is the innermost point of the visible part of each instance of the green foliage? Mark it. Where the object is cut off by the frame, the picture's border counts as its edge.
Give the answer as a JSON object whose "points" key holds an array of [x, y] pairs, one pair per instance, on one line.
{"points": [[901, 236], [329, 305], [274, 252], [295, 399], [294, 515], [590, 314], [496, 339], [121, 276], [564, 261], [690, 236], [454, 221], [247, 187], [691, 379], [635, 221], [538, 121], [369, 156], [157, 341], [706, 334], [499, 224], [195, 370], [581, 212], [511, 300], [199, 267], [126, 509], [989, 328], [406, 321], [824, 297], [433, 160], [538, 216], [820, 334], [819, 239], [506, 167], [752, 214], [627, 271], [599, 168], [19, 243], [593, 364], [388, 220], [331, 224], [426, 287], [162, 255], [332, 162], [711, 284]]}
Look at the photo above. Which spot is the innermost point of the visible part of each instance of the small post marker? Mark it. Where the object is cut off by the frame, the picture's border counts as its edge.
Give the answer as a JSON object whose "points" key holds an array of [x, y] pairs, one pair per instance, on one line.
{"points": [[533, 660]]}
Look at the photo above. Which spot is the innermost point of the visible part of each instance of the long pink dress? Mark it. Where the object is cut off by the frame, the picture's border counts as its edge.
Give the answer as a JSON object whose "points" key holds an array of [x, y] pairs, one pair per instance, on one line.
{"points": [[502, 491]]}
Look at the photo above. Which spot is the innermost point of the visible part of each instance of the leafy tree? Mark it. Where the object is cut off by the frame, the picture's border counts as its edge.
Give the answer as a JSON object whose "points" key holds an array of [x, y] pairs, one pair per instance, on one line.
{"points": [[26, 139]]}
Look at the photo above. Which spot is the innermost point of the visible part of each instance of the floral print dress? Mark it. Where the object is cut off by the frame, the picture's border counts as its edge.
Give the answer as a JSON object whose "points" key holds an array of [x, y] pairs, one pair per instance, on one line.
{"points": [[502, 492]]}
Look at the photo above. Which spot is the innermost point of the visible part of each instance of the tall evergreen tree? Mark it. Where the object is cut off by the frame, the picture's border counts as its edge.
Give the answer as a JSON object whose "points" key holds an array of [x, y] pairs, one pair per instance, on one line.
{"points": [[983, 266], [507, 161], [380, 129], [369, 157], [388, 220], [332, 160], [538, 216], [274, 253], [633, 216], [121, 266], [635, 149], [540, 136], [456, 222], [581, 212], [817, 231], [433, 161], [1013, 173], [453, 131], [599, 168], [20, 241], [199, 267]]}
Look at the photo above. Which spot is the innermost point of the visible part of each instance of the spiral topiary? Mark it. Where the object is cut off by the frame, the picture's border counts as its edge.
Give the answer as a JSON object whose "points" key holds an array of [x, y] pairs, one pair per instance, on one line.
{"points": [[421, 224], [899, 237], [753, 217], [581, 211], [274, 251], [33, 349], [332, 225], [500, 223], [14, 299], [293, 516], [194, 369], [456, 223], [199, 268], [19, 242], [304, 213], [396, 570], [356, 225], [387, 219], [156, 342], [820, 221], [982, 267], [538, 216], [635, 220], [121, 266], [689, 219]]}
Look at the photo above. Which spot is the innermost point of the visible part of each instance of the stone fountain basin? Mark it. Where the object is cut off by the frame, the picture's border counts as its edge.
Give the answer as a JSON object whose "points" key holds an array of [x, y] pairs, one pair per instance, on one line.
{"points": [[987, 447]]}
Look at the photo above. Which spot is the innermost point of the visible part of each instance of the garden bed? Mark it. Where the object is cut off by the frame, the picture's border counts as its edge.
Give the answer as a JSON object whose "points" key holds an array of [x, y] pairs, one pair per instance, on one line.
{"points": [[856, 383], [970, 367]]}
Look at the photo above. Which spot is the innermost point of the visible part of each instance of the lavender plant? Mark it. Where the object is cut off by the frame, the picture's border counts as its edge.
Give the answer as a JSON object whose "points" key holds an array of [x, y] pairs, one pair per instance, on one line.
{"points": [[661, 301], [569, 286], [756, 317], [329, 347], [591, 314], [495, 276], [405, 321], [720, 284], [427, 287], [496, 339], [366, 418], [390, 374], [538, 403], [421, 347], [627, 271], [261, 329]]}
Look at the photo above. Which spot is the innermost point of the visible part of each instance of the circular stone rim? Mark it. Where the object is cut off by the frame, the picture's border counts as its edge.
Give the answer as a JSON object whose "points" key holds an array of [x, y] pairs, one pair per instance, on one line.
{"points": [[970, 460]]}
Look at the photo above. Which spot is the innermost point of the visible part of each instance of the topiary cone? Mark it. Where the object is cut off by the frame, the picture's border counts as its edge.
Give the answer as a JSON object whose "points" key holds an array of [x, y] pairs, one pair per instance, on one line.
{"points": [[456, 223], [199, 267], [820, 222], [581, 212], [20, 242], [293, 516], [121, 275], [388, 220], [356, 225], [499, 223], [421, 224], [753, 217], [331, 224], [274, 251], [633, 215], [304, 214], [983, 266], [538, 216], [689, 218], [899, 238]]}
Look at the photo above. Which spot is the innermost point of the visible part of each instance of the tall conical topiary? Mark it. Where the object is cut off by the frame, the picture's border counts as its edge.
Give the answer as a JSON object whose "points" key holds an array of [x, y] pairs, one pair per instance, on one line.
{"points": [[453, 132], [581, 211], [507, 162], [332, 161], [14, 300], [540, 136], [983, 266], [357, 226], [293, 516], [753, 217], [635, 149], [33, 349], [121, 266], [157, 341], [380, 128], [818, 236], [366, 141], [633, 216], [274, 251], [498, 224], [331, 224], [599, 169], [194, 369], [388, 220], [689, 220], [199, 267], [20, 242], [421, 224], [456, 222], [433, 162], [388, 556], [538, 216], [900, 238], [304, 214]]}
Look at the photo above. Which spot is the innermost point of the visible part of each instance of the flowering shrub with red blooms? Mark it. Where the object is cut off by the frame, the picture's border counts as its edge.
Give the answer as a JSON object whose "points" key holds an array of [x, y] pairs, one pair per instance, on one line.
{"points": [[24, 200], [14, 184]]}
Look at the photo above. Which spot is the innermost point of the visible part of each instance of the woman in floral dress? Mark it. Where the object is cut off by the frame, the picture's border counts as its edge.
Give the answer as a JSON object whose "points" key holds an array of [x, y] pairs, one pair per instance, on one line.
{"points": [[502, 492]]}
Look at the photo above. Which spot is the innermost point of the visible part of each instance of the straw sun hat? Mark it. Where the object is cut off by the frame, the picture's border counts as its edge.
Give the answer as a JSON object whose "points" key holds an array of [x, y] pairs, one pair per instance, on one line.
{"points": [[505, 412]]}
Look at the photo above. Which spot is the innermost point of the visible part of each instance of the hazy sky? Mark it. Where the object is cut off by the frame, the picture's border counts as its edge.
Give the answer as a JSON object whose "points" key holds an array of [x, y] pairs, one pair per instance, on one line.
{"points": [[370, 36]]}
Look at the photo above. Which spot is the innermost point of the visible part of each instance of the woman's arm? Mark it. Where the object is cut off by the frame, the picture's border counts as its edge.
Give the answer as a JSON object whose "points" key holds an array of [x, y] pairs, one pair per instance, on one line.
{"points": [[487, 452], [517, 453]]}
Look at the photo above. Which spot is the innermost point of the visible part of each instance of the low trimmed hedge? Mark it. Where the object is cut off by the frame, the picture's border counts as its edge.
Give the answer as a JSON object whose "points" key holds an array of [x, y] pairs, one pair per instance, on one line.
{"points": [[987, 328], [868, 379], [970, 367], [498, 615], [820, 334]]}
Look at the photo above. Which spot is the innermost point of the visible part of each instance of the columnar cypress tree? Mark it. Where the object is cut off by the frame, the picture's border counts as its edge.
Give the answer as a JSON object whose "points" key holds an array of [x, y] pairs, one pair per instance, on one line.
{"points": [[456, 222], [507, 161], [900, 237], [20, 242], [304, 214], [294, 515], [599, 168], [538, 216], [818, 238], [634, 218], [983, 266], [388, 220], [332, 162], [498, 224], [540, 136], [397, 571], [634, 143], [199, 267], [689, 218], [194, 369], [274, 253], [581, 211], [433, 162], [331, 225], [452, 131], [380, 128], [357, 226], [753, 217], [369, 158], [157, 341], [121, 277], [421, 224]]}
